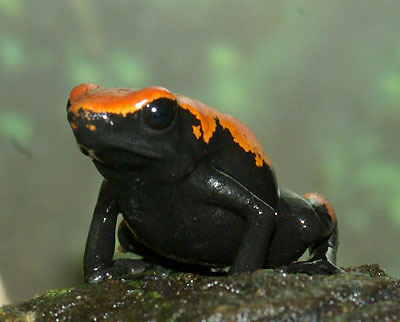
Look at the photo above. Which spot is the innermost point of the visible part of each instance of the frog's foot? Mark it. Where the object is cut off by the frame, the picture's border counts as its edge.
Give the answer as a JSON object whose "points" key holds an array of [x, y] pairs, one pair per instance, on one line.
{"points": [[319, 266], [123, 267]]}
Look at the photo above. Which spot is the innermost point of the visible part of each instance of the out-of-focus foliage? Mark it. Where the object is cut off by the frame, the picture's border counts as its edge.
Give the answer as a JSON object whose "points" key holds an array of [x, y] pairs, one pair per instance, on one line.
{"points": [[11, 8], [318, 83], [15, 126], [12, 56]]}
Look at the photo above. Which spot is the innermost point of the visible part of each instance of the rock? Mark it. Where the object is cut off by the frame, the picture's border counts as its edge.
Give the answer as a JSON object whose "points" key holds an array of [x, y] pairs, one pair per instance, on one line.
{"points": [[362, 293]]}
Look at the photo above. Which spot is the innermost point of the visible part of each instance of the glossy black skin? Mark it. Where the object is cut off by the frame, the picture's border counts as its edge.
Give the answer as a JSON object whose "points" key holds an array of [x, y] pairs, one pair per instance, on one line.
{"points": [[187, 201]]}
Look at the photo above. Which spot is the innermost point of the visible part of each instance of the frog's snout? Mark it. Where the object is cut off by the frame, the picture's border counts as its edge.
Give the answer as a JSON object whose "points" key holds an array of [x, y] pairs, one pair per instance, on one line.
{"points": [[80, 90]]}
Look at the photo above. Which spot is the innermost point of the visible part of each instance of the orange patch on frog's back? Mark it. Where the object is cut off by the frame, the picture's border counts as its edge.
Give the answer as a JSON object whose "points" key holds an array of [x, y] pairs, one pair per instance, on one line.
{"points": [[241, 134], [116, 100]]}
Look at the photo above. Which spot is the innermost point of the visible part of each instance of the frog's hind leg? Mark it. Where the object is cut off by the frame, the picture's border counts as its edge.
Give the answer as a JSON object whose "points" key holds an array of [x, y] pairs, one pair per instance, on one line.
{"points": [[129, 266], [151, 259], [324, 248], [128, 243]]}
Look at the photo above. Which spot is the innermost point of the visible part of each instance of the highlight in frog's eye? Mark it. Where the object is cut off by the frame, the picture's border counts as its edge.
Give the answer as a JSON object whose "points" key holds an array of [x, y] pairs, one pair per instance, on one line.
{"points": [[160, 113]]}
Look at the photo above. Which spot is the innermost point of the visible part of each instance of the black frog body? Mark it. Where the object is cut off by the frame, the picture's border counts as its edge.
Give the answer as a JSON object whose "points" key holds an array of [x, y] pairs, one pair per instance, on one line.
{"points": [[193, 186]]}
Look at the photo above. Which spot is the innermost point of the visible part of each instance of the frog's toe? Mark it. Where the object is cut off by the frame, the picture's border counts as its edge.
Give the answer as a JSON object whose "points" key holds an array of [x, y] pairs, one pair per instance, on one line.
{"points": [[131, 266], [320, 266], [120, 268]]}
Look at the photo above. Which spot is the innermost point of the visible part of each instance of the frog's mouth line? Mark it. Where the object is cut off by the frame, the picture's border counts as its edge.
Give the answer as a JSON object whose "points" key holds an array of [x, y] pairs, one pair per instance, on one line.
{"points": [[114, 163], [114, 150], [116, 158], [106, 170], [120, 172]]}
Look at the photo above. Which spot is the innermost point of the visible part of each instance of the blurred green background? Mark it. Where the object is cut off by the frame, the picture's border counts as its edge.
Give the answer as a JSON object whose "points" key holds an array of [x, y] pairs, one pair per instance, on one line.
{"points": [[318, 82]]}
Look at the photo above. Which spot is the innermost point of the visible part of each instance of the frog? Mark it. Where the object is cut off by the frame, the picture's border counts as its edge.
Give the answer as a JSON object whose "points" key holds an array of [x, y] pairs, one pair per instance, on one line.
{"points": [[194, 188]]}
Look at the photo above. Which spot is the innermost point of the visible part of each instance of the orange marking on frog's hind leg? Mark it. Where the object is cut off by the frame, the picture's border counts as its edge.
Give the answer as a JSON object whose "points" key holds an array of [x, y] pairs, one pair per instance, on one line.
{"points": [[323, 202]]}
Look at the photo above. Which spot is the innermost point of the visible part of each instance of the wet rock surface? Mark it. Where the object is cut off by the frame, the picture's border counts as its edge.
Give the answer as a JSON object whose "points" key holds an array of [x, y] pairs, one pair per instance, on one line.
{"points": [[362, 293]]}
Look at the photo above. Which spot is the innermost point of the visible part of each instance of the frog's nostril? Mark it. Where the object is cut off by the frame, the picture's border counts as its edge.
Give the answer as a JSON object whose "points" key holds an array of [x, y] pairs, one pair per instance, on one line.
{"points": [[80, 90]]}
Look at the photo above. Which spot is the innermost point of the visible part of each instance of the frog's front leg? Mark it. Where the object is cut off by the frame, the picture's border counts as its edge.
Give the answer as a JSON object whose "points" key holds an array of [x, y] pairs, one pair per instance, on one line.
{"points": [[216, 187], [99, 250]]}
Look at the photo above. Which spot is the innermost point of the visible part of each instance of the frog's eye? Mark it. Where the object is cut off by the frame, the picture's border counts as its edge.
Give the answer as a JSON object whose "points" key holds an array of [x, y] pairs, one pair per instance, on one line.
{"points": [[160, 113]]}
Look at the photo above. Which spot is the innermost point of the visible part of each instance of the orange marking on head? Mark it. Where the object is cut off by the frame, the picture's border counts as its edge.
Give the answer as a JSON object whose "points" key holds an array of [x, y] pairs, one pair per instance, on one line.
{"points": [[91, 127], [241, 133], [322, 201], [197, 131], [259, 160], [205, 114], [94, 99], [73, 125], [80, 90]]}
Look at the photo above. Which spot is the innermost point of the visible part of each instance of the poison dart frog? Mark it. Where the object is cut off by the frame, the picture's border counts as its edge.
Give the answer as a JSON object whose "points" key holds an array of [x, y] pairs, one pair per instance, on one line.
{"points": [[194, 187]]}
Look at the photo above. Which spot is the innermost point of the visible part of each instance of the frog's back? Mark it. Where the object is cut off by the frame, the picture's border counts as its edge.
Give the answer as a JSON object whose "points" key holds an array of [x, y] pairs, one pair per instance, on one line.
{"points": [[233, 149]]}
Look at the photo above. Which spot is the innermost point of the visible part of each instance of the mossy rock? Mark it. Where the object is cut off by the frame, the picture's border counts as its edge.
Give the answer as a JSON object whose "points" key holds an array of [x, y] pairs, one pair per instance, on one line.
{"points": [[362, 293]]}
